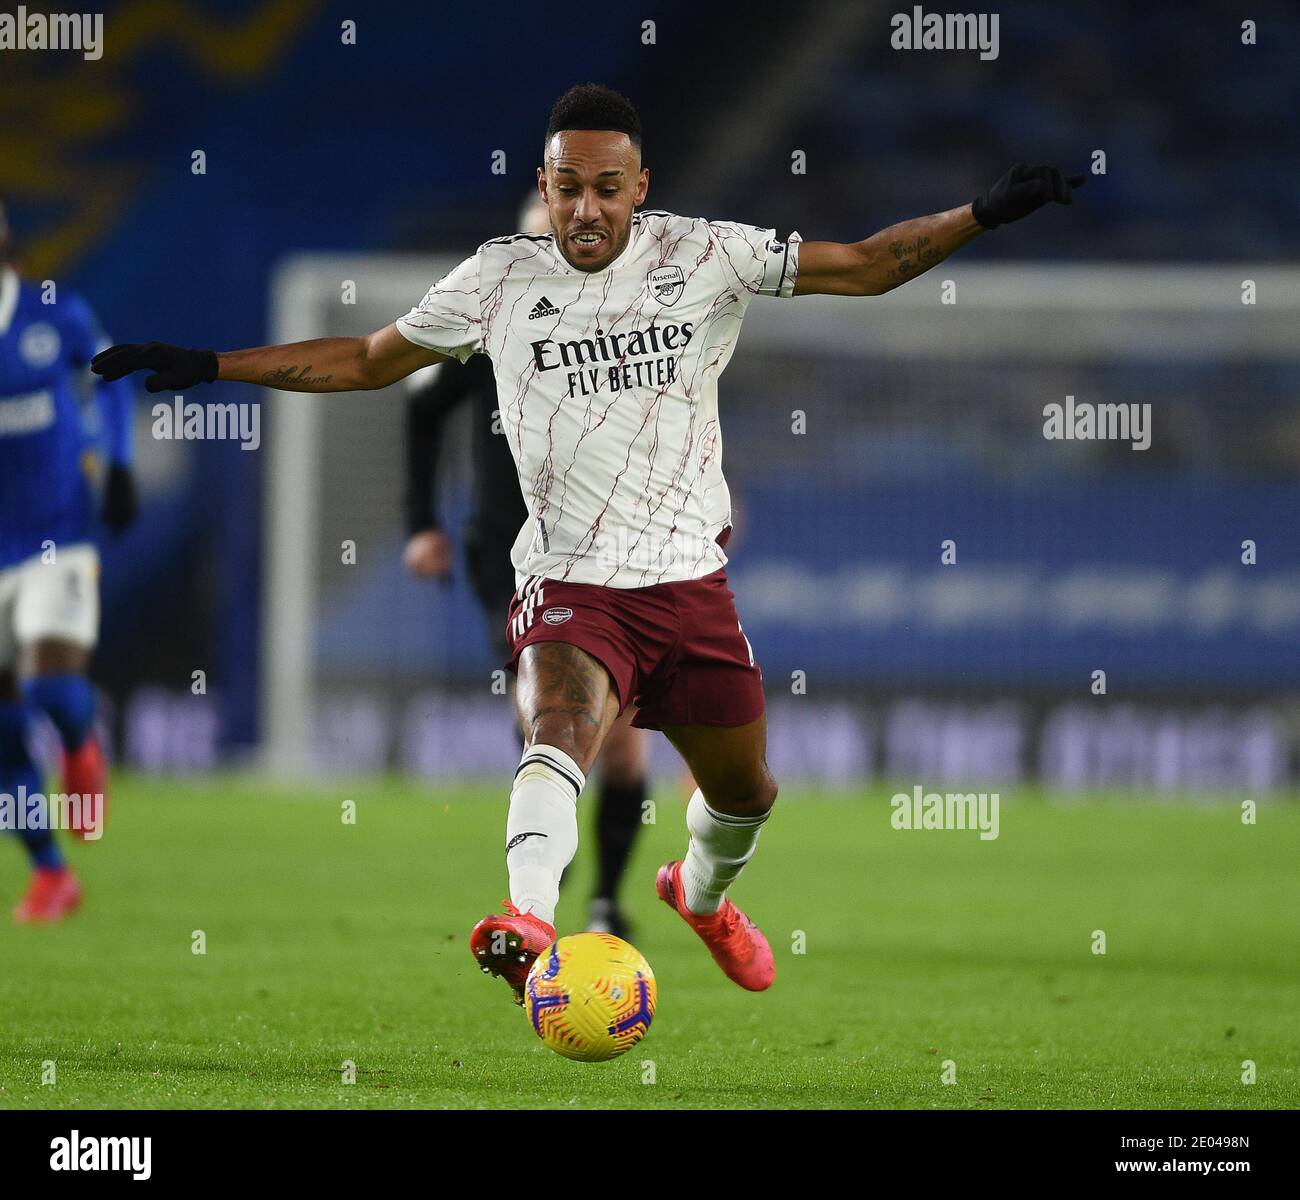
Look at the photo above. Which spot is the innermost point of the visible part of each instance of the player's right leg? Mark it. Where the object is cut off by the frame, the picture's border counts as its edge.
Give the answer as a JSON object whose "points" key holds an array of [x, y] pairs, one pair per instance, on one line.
{"points": [[54, 681], [54, 891], [566, 706], [56, 623]]}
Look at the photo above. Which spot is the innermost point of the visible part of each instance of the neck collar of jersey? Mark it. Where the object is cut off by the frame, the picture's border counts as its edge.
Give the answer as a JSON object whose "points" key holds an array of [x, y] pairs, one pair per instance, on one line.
{"points": [[8, 297], [627, 253]]}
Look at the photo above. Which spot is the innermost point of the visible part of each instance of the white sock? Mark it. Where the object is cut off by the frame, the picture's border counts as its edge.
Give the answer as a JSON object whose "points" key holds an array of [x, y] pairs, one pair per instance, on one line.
{"points": [[542, 828], [720, 847]]}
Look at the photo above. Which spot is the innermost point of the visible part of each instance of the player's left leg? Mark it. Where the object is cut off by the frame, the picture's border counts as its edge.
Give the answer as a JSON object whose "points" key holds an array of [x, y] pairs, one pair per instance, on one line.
{"points": [[734, 796], [724, 818], [57, 624], [710, 706], [54, 891]]}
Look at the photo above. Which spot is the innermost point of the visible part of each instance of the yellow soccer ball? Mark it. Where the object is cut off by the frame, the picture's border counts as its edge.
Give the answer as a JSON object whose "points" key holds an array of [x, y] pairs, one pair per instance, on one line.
{"points": [[590, 996]]}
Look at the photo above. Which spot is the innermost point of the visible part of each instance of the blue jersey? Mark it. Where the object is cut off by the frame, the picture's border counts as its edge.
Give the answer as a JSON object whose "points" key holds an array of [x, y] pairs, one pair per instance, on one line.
{"points": [[45, 444]]}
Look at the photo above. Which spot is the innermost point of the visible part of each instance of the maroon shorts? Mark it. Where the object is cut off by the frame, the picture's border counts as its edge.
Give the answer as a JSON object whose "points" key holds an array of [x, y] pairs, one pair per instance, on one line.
{"points": [[676, 650]]}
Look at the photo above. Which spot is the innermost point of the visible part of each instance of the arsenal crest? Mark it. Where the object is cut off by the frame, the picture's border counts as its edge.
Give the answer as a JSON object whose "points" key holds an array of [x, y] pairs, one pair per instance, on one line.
{"points": [[666, 284]]}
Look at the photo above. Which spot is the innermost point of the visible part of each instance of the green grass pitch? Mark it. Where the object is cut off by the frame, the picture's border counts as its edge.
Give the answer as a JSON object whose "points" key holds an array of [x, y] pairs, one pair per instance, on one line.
{"points": [[329, 942]]}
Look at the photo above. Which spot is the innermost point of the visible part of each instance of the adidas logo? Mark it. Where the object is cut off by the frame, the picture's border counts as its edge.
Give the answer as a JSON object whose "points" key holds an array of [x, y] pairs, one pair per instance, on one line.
{"points": [[543, 308]]}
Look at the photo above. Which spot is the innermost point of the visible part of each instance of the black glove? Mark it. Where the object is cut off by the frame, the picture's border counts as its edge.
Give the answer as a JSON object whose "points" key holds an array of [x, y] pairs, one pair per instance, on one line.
{"points": [[1021, 190], [176, 368], [121, 505]]}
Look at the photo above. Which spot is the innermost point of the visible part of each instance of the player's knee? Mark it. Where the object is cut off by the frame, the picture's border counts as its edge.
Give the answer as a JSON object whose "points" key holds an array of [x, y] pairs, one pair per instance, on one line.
{"points": [[560, 730], [765, 793], [69, 702], [574, 732], [744, 798], [564, 699]]}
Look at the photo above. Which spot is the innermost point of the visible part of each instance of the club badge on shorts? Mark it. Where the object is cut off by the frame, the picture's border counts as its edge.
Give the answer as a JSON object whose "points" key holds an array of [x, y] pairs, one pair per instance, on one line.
{"points": [[557, 616]]}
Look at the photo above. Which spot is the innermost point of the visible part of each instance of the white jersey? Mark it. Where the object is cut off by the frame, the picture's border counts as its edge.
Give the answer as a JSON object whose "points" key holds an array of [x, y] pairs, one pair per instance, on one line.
{"points": [[607, 384]]}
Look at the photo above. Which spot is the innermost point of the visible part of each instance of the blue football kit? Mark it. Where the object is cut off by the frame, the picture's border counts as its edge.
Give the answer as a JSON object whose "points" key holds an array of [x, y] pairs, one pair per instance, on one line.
{"points": [[47, 438]]}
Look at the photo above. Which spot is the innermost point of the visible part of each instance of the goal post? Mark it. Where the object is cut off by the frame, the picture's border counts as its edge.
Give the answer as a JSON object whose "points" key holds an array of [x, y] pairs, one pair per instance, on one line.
{"points": [[971, 337]]}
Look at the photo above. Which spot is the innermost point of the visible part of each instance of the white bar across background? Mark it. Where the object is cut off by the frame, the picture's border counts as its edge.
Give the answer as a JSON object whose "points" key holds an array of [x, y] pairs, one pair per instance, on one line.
{"points": [[1038, 311]]}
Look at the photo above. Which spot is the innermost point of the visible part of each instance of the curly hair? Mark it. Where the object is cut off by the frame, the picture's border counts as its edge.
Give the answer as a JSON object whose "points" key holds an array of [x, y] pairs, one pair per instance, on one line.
{"points": [[594, 106]]}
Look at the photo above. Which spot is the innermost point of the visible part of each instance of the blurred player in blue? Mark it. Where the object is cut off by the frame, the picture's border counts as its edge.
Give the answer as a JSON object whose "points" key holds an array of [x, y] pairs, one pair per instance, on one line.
{"points": [[49, 567]]}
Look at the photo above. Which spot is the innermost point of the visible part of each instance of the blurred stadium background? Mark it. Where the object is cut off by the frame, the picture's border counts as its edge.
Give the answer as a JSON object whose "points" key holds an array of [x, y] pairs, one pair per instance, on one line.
{"points": [[373, 163]]}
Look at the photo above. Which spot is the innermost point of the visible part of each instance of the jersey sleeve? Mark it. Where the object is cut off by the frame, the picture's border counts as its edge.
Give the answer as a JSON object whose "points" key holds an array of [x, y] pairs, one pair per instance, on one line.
{"points": [[116, 400], [81, 328], [756, 259], [448, 320]]}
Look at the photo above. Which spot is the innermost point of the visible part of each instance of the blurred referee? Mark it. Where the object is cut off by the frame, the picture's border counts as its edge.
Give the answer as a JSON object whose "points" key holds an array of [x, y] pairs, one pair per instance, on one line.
{"points": [[498, 514]]}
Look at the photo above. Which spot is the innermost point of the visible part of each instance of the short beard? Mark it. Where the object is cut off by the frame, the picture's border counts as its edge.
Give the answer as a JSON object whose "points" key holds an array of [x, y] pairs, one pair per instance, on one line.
{"points": [[627, 237]]}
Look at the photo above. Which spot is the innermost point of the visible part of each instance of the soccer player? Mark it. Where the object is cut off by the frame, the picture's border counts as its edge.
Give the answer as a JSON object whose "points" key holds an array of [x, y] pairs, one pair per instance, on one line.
{"points": [[49, 567], [499, 511], [607, 336]]}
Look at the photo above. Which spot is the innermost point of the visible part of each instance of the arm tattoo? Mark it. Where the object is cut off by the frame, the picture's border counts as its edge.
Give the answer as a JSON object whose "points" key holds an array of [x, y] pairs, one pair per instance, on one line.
{"points": [[911, 256], [291, 377]]}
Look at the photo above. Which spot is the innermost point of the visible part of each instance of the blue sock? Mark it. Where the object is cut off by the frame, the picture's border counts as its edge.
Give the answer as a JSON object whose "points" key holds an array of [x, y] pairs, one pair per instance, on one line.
{"points": [[68, 700], [19, 777]]}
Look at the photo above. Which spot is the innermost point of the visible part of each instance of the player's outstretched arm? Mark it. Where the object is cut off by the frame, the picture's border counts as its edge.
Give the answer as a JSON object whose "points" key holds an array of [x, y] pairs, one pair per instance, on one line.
{"points": [[891, 257], [344, 364]]}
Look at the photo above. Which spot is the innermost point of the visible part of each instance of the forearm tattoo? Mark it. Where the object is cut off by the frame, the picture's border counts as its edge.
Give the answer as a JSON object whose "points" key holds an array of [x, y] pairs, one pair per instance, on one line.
{"points": [[291, 377], [912, 256]]}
